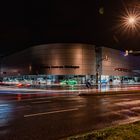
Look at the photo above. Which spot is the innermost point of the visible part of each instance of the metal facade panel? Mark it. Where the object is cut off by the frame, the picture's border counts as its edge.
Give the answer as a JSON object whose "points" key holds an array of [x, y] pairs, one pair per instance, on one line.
{"points": [[55, 59]]}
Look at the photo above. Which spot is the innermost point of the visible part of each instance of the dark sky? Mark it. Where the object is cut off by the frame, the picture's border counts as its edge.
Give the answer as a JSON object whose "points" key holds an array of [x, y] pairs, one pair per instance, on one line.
{"points": [[27, 23]]}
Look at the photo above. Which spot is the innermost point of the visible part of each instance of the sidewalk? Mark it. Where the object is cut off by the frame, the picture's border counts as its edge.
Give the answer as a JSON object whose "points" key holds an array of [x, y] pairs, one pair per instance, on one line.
{"points": [[112, 91], [109, 90]]}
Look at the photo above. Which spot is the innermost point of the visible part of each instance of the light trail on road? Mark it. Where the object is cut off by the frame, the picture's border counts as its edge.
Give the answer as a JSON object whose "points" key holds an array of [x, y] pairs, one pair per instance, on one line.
{"points": [[55, 117]]}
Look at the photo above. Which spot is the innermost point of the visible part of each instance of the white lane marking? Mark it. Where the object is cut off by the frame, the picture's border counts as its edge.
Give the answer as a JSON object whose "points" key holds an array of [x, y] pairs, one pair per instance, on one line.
{"points": [[51, 112], [80, 106], [135, 108], [133, 102], [40, 102], [4, 105]]}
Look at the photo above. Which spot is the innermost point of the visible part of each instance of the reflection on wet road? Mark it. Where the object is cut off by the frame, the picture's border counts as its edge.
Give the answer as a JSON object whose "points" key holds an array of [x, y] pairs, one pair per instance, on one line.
{"points": [[42, 116]]}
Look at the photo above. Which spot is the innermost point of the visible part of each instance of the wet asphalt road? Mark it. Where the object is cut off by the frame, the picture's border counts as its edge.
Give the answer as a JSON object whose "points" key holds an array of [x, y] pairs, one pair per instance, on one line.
{"points": [[46, 117]]}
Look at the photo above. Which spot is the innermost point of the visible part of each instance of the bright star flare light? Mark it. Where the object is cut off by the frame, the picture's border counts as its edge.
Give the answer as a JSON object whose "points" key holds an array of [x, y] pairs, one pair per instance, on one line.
{"points": [[130, 21]]}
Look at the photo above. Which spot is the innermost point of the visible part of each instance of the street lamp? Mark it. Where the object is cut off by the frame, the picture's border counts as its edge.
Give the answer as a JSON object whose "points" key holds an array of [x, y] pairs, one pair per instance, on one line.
{"points": [[98, 69], [130, 21]]}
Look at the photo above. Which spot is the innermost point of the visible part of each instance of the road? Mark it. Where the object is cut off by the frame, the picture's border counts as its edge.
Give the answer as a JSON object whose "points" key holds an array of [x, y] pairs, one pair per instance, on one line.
{"points": [[30, 116]]}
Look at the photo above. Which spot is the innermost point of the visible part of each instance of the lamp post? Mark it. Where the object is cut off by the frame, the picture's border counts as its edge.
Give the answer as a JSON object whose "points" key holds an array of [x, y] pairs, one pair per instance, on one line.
{"points": [[99, 60], [130, 22]]}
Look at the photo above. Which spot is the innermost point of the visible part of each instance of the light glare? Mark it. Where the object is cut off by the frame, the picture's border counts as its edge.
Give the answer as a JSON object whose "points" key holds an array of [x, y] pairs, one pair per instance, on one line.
{"points": [[130, 21]]}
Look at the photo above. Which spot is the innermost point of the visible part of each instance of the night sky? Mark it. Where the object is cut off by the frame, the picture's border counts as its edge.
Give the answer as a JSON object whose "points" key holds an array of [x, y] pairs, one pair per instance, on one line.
{"points": [[27, 23]]}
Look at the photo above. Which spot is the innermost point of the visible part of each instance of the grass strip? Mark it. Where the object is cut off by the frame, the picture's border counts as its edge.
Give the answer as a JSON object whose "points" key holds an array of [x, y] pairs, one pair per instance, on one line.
{"points": [[122, 132]]}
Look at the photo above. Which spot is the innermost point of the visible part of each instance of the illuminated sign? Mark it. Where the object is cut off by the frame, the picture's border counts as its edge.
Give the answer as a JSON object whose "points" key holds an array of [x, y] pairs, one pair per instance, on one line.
{"points": [[60, 67], [122, 70]]}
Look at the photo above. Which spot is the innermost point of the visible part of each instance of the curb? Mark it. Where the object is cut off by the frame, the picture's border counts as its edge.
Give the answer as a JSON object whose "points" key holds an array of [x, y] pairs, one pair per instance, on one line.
{"points": [[108, 93]]}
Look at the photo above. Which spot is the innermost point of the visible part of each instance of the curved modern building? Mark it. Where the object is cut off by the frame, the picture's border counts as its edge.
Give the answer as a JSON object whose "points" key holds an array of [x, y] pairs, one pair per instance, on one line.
{"points": [[55, 62]]}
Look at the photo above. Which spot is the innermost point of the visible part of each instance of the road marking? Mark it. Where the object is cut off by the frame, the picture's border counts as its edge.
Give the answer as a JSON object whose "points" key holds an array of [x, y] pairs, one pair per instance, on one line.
{"points": [[135, 108], [133, 102], [80, 106], [51, 112], [40, 102]]}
